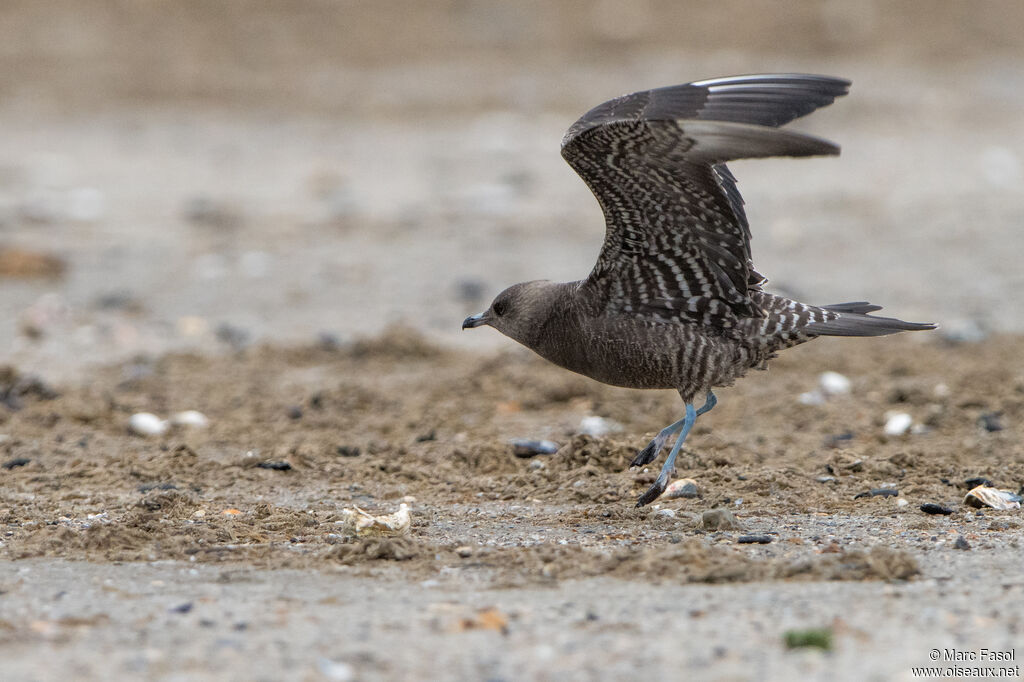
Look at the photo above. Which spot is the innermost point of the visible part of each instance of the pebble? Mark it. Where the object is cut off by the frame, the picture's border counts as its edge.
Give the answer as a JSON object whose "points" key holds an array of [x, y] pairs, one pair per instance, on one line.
{"points": [[336, 671], [826, 479], [897, 423], [16, 462], [348, 451], [833, 384], [719, 519], [666, 513], [754, 539], [991, 421], [683, 487], [147, 424], [812, 398], [961, 543], [901, 502], [275, 466], [978, 480], [465, 551], [524, 448], [878, 492], [190, 419], [598, 426], [932, 508]]}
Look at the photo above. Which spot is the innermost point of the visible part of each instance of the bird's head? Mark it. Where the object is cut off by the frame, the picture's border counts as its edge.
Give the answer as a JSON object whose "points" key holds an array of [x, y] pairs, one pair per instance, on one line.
{"points": [[518, 311]]}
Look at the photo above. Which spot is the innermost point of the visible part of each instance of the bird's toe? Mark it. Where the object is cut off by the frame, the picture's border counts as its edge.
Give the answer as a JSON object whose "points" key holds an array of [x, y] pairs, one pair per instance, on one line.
{"points": [[654, 492], [647, 455]]}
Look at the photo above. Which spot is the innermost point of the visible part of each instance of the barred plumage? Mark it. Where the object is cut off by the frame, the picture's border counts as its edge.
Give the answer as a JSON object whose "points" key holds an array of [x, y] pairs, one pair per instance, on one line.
{"points": [[673, 300]]}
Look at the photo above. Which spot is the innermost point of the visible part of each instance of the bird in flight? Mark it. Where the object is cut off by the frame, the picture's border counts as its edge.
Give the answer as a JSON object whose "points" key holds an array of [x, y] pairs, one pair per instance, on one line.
{"points": [[673, 300]]}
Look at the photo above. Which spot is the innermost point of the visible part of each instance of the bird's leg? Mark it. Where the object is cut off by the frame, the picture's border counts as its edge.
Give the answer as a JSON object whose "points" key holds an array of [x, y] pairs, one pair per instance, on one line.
{"points": [[650, 453], [655, 491]]}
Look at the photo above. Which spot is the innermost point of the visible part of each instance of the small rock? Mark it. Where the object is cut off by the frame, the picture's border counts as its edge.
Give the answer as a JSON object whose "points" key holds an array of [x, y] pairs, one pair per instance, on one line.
{"points": [[955, 332], [16, 462], [147, 424], [525, 448], [932, 508], [878, 492], [294, 412], [427, 437], [348, 451], [683, 487], [536, 465], [812, 398], [901, 502], [978, 480], [190, 419], [236, 337], [335, 671], [897, 423], [826, 479], [961, 543], [275, 466], [991, 421], [719, 519], [598, 426], [469, 290], [182, 608], [666, 513], [839, 439], [464, 551], [833, 384], [328, 341], [754, 539]]}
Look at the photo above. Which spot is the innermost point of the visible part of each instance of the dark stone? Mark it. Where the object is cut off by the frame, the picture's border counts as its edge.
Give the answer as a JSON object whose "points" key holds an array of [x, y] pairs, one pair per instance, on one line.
{"points": [[276, 466], [427, 437], [754, 539], [182, 608], [972, 483], [878, 492], [16, 462], [295, 412], [839, 439], [991, 421], [146, 487], [961, 543], [348, 451], [525, 448], [932, 508]]}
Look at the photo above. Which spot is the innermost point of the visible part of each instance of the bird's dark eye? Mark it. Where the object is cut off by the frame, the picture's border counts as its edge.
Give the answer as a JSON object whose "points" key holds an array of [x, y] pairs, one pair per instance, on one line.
{"points": [[499, 308]]}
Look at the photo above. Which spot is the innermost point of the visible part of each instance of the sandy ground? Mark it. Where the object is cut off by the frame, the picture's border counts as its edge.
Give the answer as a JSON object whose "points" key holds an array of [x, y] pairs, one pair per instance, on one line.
{"points": [[277, 213]]}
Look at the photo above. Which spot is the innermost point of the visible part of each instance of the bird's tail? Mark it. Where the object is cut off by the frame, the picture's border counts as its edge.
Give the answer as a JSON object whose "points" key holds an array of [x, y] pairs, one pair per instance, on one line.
{"points": [[852, 319]]}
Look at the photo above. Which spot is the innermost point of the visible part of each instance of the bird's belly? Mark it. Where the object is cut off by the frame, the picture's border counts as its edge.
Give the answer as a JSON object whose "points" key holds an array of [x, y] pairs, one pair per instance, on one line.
{"points": [[660, 358]]}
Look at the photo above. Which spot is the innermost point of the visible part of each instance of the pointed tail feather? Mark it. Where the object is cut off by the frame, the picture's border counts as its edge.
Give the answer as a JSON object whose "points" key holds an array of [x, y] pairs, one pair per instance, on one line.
{"points": [[853, 320]]}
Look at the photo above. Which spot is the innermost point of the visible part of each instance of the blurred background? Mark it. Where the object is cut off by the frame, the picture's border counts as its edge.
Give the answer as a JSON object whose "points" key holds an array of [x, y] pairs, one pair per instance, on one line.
{"points": [[197, 174]]}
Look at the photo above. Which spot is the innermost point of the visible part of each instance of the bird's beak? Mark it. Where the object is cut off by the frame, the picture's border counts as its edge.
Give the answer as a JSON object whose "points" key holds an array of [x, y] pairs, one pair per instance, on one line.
{"points": [[474, 321]]}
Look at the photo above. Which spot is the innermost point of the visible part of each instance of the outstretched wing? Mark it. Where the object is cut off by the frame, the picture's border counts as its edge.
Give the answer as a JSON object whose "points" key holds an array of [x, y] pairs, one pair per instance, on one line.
{"points": [[677, 241]]}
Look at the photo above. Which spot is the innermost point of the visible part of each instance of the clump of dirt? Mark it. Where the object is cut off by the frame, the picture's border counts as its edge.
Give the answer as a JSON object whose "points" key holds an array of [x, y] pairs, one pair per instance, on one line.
{"points": [[397, 419]]}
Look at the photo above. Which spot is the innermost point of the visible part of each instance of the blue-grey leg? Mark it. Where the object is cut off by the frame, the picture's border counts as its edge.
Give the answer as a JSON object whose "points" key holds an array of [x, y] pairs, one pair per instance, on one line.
{"points": [[684, 425], [653, 449]]}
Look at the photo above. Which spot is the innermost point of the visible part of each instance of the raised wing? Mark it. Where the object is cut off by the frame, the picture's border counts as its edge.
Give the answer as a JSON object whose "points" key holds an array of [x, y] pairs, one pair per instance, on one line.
{"points": [[677, 241]]}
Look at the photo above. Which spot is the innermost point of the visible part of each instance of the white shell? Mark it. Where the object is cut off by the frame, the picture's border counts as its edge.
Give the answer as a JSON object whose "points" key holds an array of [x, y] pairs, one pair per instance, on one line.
{"points": [[190, 418], [357, 522], [598, 426], [985, 496], [897, 423], [146, 424], [833, 383], [683, 487]]}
